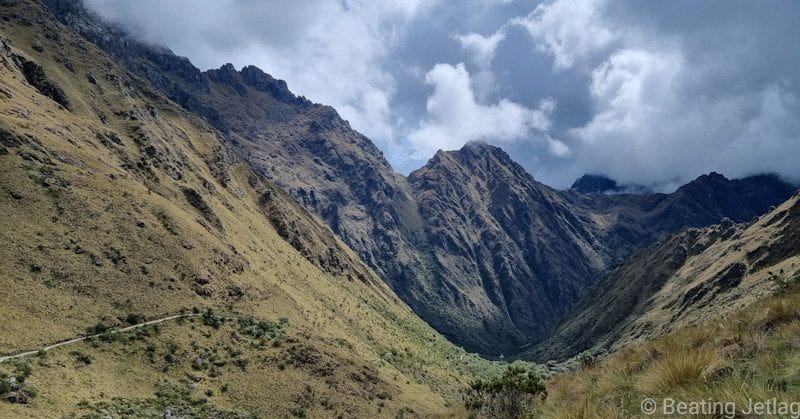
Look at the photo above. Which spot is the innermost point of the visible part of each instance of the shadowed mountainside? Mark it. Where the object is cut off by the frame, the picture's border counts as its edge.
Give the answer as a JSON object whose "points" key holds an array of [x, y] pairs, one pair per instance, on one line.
{"points": [[696, 275]]}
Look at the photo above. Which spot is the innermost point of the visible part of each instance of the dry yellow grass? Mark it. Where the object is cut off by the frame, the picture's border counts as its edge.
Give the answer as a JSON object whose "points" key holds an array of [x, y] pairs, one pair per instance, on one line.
{"points": [[94, 231], [754, 354]]}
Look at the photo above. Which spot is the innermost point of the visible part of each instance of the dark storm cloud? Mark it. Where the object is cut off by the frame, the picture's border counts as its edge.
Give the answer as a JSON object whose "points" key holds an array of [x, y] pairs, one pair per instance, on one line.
{"points": [[646, 92]]}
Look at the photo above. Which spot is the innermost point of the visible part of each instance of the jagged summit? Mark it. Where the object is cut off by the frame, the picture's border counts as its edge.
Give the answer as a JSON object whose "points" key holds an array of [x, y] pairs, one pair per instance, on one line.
{"points": [[475, 158], [254, 77]]}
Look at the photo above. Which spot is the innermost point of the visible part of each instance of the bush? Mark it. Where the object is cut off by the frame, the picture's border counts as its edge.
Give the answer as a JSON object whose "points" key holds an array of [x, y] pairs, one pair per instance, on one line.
{"points": [[258, 328], [97, 329], [509, 395], [134, 318], [212, 319], [23, 370]]}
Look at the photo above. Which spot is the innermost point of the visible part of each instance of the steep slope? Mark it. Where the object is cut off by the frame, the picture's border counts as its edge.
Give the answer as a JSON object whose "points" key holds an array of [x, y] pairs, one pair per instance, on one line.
{"points": [[117, 206], [694, 276], [305, 148], [511, 253], [491, 295]]}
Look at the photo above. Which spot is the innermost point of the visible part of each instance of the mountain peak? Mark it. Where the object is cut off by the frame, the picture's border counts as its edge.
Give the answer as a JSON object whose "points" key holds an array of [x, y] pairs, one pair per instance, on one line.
{"points": [[711, 177], [594, 184], [473, 159]]}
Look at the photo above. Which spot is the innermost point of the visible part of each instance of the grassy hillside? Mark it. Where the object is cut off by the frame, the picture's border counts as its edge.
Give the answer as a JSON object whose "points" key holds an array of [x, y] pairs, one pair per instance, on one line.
{"points": [[117, 206], [751, 354]]}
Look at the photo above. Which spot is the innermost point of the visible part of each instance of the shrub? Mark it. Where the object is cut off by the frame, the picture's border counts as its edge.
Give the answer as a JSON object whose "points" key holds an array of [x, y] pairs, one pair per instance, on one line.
{"points": [[5, 387], [23, 370], [97, 329], [133, 318], [258, 328], [212, 319], [508, 395]]}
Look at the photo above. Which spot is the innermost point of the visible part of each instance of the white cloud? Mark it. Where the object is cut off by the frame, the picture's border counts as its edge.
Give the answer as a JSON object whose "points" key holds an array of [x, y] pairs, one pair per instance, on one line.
{"points": [[649, 93], [660, 117], [329, 51], [481, 47], [649, 127], [558, 148], [482, 50], [570, 31], [455, 117]]}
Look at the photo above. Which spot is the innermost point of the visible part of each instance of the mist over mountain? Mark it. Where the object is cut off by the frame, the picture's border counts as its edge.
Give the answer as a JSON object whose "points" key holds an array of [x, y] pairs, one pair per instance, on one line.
{"points": [[644, 95]]}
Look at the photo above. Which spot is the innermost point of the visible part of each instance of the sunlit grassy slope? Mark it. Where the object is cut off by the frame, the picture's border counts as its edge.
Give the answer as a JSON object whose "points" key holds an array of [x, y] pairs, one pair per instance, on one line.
{"points": [[750, 355], [118, 205]]}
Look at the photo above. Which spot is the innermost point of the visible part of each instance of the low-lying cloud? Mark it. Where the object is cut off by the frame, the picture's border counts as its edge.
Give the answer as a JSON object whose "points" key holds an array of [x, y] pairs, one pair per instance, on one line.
{"points": [[647, 93]]}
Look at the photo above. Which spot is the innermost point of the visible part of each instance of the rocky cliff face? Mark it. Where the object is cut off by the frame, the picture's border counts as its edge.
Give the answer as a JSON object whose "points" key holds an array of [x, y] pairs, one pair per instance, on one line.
{"points": [[511, 254], [487, 255], [515, 254]]}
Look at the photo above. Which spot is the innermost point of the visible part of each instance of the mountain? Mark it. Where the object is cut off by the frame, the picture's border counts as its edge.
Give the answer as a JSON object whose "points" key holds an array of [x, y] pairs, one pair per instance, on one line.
{"points": [[479, 249], [516, 254], [305, 148], [511, 253], [697, 275], [120, 208], [590, 184]]}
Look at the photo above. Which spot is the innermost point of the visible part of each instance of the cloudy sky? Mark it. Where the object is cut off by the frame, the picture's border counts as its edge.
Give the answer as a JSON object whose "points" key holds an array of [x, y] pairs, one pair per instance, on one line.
{"points": [[645, 92]]}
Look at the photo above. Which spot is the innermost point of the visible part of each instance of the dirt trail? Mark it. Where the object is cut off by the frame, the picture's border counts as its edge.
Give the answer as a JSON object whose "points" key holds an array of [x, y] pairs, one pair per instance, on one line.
{"points": [[82, 338]]}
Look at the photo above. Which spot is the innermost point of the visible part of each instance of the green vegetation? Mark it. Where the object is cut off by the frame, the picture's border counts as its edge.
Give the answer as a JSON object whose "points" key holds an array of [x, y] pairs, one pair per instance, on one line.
{"points": [[13, 385], [260, 328], [212, 319], [171, 398], [508, 395]]}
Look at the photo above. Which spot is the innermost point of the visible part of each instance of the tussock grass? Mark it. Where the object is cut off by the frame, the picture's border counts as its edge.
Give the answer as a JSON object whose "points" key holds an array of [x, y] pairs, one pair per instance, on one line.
{"points": [[752, 354]]}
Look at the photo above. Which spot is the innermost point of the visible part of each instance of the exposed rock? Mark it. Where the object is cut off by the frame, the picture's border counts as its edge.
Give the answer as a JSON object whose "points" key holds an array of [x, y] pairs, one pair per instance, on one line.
{"points": [[203, 291], [236, 291], [18, 397], [196, 200], [37, 78]]}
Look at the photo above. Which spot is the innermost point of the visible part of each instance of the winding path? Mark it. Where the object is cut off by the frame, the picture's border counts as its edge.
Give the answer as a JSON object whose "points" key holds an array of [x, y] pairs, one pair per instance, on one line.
{"points": [[82, 338]]}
